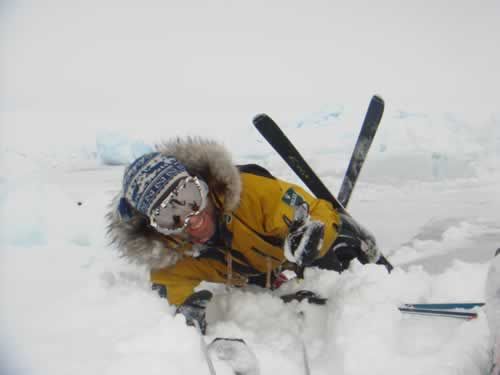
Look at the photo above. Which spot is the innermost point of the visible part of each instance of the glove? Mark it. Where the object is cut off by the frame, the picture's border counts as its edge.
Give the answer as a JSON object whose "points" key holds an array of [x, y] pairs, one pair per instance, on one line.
{"points": [[305, 237], [194, 307], [354, 241]]}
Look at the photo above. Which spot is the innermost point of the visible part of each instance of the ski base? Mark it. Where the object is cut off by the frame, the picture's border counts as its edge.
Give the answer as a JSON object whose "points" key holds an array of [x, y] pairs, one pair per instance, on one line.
{"points": [[437, 312]]}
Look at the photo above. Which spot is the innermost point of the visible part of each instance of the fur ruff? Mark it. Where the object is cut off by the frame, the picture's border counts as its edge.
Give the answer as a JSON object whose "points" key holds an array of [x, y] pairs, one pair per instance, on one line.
{"points": [[136, 240]]}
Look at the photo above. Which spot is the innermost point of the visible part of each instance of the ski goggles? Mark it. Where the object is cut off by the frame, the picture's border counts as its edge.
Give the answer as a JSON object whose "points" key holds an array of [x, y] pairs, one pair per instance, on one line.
{"points": [[188, 199]]}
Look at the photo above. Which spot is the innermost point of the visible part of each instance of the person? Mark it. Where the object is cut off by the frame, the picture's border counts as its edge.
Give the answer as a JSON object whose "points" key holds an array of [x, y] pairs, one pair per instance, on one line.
{"points": [[191, 215], [493, 310]]}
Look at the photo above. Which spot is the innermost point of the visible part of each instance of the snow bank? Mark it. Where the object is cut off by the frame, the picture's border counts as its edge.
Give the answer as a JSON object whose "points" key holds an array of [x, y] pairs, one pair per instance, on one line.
{"points": [[71, 306], [36, 212], [80, 309], [114, 148], [441, 237], [408, 146], [493, 308]]}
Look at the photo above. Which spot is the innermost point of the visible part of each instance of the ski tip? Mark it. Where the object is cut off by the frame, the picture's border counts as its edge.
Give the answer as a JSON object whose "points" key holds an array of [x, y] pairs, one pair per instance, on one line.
{"points": [[228, 339], [259, 118], [378, 98]]}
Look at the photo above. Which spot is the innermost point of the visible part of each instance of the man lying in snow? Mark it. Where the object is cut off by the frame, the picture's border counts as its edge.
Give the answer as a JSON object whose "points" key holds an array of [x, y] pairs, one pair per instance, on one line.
{"points": [[191, 215]]}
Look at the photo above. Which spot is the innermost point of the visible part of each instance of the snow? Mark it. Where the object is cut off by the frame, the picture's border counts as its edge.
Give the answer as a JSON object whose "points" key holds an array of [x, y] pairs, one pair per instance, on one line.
{"points": [[115, 149], [493, 307], [87, 88], [70, 305]]}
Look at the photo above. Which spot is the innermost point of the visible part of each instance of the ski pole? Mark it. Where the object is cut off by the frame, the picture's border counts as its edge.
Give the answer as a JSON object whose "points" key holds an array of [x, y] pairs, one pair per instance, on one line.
{"points": [[305, 357], [204, 349]]}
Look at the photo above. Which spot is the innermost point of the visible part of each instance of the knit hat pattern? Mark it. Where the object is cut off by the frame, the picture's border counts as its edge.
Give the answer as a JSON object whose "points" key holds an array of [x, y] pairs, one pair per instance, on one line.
{"points": [[148, 179]]}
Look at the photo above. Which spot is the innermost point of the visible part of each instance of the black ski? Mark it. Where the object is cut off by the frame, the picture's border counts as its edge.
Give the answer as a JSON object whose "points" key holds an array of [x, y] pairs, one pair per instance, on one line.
{"points": [[439, 312], [280, 142], [365, 139]]}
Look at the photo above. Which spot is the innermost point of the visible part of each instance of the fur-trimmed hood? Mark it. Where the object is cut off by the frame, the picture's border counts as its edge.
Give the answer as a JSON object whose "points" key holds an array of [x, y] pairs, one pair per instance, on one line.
{"points": [[140, 243]]}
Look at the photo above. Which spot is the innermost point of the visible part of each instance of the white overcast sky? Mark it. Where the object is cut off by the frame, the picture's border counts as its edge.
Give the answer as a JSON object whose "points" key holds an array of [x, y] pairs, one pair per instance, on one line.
{"points": [[70, 64]]}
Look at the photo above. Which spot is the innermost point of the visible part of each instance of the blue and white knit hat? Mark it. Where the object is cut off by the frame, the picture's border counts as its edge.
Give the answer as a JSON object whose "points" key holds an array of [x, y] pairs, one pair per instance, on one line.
{"points": [[147, 180]]}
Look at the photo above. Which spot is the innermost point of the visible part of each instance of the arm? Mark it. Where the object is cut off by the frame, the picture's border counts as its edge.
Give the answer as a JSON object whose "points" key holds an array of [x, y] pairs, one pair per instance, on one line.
{"points": [[273, 204], [178, 281]]}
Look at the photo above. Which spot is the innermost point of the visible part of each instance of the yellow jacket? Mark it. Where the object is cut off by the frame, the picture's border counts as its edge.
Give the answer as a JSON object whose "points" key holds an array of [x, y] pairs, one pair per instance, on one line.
{"points": [[252, 236], [251, 206]]}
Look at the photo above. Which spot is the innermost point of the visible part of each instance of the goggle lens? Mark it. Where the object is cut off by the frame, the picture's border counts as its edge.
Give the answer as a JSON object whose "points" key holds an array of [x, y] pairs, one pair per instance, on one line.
{"points": [[187, 200]]}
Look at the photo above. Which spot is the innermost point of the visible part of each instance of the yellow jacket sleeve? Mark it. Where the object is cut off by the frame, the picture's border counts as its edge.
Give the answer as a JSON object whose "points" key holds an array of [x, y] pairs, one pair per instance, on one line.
{"points": [[270, 200], [181, 278]]}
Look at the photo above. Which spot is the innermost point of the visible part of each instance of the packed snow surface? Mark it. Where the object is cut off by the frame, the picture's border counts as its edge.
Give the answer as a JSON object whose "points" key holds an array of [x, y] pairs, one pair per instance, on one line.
{"points": [[70, 305]]}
